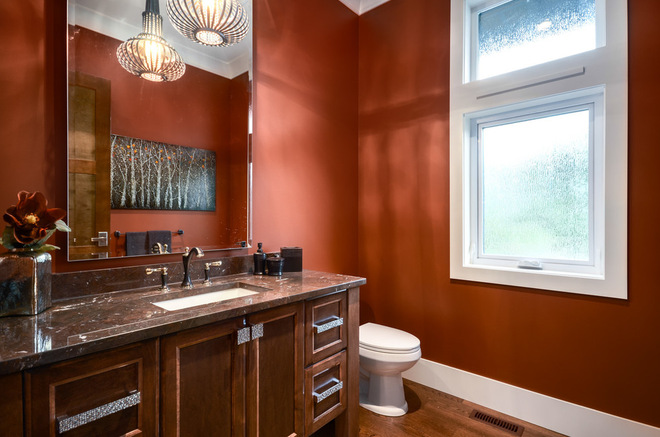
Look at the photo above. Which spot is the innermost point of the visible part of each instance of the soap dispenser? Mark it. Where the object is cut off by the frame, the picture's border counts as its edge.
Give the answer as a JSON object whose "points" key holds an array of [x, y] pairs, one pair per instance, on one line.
{"points": [[259, 261]]}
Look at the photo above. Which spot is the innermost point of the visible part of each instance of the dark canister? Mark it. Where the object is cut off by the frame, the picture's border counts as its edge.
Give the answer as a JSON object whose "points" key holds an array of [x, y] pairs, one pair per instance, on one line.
{"points": [[275, 265], [293, 256]]}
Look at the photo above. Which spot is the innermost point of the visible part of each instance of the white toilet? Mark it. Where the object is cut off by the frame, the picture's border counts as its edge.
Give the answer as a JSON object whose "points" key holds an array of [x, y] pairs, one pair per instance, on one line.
{"points": [[384, 353]]}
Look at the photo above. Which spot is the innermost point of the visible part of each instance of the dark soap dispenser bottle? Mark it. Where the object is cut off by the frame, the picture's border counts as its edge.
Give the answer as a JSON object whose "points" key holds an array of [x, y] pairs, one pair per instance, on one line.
{"points": [[259, 261]]}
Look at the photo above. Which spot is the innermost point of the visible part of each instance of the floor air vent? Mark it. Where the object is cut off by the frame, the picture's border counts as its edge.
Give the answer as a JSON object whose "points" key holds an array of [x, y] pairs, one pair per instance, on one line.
{"points": [[499, 423]]}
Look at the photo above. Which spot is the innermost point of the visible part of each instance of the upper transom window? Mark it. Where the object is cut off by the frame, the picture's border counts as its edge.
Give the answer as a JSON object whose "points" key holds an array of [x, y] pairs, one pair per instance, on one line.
{"points": [[512, 35]]}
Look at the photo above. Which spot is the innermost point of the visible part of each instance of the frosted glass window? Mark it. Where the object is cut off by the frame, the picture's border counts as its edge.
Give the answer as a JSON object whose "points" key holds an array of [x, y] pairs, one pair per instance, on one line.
{"points": [[534, 187], [529, 133], [522, 33]]}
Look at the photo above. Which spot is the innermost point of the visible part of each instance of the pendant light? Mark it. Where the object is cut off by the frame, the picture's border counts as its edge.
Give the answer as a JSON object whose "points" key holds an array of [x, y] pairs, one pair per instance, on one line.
{"points": [[148, 55], [209, 22]]}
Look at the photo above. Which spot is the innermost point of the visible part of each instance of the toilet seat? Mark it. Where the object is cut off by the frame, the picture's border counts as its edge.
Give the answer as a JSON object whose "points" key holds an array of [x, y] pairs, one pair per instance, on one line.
{"points": [[392, 359], [386, 340]]}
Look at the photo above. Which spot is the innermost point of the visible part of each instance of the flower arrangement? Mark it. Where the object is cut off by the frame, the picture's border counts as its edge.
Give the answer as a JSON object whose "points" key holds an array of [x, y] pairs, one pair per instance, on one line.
{"points": [[30, 223]]}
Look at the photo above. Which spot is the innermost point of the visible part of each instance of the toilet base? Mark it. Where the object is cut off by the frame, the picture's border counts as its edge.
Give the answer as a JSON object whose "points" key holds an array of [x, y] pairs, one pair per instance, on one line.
{"points": [[383, 394], [384, 410]]}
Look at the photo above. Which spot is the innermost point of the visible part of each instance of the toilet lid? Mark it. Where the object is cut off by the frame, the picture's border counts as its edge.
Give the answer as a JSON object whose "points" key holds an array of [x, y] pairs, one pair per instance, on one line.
{"points": [[381, 338]]}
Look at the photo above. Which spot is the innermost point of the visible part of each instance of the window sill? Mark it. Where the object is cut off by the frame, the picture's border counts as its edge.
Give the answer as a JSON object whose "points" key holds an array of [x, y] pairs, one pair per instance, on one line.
{"points": [[575, 283]]}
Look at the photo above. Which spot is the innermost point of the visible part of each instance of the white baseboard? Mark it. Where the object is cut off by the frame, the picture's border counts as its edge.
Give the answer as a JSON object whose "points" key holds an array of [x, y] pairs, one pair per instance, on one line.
{"points": [[550, 413]]}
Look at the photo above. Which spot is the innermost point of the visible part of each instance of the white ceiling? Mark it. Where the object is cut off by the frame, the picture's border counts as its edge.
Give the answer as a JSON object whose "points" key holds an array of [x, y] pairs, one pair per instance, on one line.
{"points": [[362, 6], [122, 19]]}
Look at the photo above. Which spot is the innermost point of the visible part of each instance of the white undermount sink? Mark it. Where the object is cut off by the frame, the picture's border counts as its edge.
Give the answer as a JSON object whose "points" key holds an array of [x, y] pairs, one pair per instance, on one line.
{"points": [[205, 298]]}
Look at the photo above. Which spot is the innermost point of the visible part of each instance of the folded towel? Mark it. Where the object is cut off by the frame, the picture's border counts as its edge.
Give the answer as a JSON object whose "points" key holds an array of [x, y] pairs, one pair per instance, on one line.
{"points": [[136, 243], [162, 237]]}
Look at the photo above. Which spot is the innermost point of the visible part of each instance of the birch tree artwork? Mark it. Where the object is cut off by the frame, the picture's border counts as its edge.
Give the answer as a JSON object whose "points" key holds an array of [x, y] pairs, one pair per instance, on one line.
{"points": [[158, 176]]}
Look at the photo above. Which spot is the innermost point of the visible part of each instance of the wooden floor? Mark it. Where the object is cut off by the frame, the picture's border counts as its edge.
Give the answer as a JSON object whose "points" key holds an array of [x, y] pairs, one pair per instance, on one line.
{"points": [[433, 413]]}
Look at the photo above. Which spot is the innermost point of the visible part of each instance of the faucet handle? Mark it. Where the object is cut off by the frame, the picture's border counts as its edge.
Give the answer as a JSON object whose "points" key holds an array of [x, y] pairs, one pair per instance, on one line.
{"points": [[207, 271], [163, 276], [199, 252]]}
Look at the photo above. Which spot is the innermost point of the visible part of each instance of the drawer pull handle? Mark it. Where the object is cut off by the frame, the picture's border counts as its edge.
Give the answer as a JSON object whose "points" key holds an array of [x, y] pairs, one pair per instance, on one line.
{"points": [[65, 424], [257, 331], [243, 335], [337, 321], [334, 389]]}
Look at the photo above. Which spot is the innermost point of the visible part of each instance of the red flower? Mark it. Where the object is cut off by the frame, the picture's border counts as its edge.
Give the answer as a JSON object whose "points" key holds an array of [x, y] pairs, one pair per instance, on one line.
{"points": [[30, 218]]}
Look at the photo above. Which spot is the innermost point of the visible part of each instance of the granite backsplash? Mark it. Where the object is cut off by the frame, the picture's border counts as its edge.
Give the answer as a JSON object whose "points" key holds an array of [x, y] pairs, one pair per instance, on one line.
{"points": [[86, 283]]}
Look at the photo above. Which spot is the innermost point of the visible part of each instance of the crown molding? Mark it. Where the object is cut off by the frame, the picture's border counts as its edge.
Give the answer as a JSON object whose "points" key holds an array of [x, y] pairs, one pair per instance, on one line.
{"points": [[362, 6]]}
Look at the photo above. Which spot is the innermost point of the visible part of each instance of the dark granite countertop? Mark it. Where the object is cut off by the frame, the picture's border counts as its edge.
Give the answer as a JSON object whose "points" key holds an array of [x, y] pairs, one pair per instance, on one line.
{"points": [[79, 326]]}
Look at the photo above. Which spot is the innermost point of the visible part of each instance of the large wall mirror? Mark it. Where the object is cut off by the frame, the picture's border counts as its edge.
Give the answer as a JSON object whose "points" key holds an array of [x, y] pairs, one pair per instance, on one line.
{"points": [[157, 166]]}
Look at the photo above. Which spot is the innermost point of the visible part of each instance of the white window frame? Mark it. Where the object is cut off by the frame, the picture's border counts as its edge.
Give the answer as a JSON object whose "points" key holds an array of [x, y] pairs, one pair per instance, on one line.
{"points": [[602, 70], [592, 100]]}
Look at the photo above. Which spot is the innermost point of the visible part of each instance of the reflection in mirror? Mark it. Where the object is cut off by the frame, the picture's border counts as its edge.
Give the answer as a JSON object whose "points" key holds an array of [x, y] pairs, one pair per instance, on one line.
{"points": [[155, 166]]}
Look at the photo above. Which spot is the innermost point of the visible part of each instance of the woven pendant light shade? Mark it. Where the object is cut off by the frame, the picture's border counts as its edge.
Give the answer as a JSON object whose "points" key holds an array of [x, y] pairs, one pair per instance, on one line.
{"points": [[148, 55], [209, 22]]}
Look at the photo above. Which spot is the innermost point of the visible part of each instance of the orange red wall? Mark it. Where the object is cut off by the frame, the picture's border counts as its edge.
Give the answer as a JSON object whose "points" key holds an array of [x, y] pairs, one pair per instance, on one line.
{"points": [[32, 102], [600, 353], [305, 131]]}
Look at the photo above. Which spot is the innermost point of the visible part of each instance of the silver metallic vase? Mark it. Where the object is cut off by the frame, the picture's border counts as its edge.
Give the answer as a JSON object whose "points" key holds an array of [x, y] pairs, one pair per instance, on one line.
{"points": [[25, 281]]}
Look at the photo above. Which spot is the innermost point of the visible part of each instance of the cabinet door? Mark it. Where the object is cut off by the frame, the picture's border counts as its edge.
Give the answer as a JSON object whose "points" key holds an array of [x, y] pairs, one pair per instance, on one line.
{"points": [[11, 405], [112, 393], [202, 381], [275, 373]]}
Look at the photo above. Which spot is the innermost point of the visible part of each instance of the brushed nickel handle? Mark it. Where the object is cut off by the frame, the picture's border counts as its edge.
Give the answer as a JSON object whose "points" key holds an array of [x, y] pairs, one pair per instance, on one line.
{"points": [[65, 423], [257, 331], [243, 335], [101, 240], [334, 389], [250, 333], [335, 322]]}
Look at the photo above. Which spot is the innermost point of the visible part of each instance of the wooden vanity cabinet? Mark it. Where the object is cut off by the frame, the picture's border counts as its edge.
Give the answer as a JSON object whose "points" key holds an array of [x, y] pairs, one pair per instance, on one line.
{"points": [[11, 405], [282, 372], [239, 377], [111, 393]]}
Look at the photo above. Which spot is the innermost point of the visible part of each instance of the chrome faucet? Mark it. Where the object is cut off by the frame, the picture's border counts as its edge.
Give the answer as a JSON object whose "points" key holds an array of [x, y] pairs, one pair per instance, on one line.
{"points": [[187, 283]]}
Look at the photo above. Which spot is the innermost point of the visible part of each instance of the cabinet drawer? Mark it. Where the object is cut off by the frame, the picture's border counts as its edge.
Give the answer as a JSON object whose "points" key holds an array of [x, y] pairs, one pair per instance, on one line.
{"points": [[324, 326], [325, 391], [111, 393]]}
